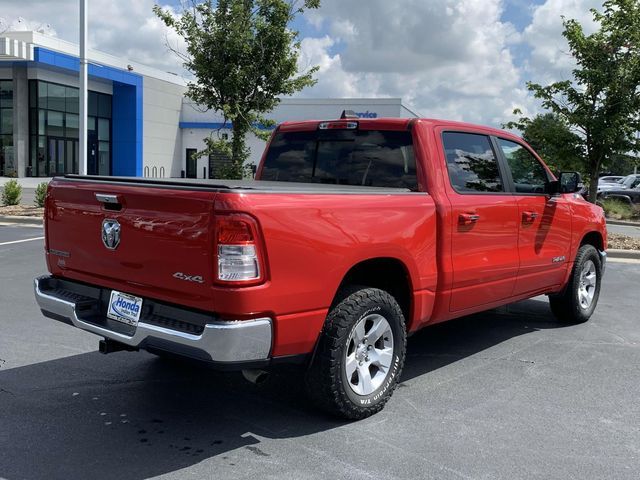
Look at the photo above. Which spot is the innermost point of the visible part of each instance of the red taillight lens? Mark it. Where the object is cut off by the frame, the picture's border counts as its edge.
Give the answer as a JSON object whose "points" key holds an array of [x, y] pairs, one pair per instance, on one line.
{"points": [[238, 250], [232, 230]]}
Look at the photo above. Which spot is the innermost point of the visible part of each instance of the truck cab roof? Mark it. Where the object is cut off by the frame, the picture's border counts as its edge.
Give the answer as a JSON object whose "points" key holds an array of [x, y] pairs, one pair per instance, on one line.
{"points": [[393, 123]]}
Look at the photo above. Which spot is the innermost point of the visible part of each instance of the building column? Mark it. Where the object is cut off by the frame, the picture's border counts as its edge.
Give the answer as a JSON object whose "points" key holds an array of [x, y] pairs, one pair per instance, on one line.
{"points": [[20, 119]]}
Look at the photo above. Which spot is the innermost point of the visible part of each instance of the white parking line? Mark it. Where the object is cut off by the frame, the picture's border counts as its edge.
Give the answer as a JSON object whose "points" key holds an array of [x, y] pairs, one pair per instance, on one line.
{"points": [[21, 241], [20, 225], [623, 260]]}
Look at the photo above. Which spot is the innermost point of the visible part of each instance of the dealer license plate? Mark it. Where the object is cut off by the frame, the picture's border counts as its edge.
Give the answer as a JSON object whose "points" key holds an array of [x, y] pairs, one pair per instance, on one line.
{"points": [[124, 308]]}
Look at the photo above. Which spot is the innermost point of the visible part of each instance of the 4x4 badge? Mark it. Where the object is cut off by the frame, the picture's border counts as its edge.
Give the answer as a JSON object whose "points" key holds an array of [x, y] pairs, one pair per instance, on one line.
{"points": [[110, 233]]}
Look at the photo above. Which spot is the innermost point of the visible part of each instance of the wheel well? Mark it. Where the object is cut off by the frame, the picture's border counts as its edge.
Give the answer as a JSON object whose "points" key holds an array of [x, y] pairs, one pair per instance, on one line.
{"points": [[593, 238], [388, 274]]}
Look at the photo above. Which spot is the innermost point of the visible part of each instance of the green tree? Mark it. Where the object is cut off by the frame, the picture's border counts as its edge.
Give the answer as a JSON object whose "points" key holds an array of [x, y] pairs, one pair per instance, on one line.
{"points": [[552, 139], [622, 164], [602, 101], [243, 56]]}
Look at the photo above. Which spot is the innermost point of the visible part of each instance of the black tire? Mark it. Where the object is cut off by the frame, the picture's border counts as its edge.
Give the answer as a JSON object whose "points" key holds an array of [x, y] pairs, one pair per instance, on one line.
{"points": [[326, 379], [566, 306]]}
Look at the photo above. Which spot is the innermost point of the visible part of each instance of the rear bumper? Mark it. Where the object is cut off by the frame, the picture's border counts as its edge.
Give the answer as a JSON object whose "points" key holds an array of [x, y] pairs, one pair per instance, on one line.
{"points": [[223, 342]]}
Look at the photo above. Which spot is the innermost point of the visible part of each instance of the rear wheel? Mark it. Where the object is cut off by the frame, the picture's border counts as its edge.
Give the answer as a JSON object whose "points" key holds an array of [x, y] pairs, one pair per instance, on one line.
{"points": [[577, 303], [360, 355]]}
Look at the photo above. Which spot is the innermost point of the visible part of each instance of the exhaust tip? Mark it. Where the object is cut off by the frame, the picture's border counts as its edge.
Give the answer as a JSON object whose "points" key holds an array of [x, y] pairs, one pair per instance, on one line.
{"points": [[257, 377]]}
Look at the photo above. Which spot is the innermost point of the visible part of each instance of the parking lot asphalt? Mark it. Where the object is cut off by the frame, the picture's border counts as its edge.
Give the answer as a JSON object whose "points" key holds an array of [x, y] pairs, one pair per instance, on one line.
{"points": [[506, 394], [10, 234]]}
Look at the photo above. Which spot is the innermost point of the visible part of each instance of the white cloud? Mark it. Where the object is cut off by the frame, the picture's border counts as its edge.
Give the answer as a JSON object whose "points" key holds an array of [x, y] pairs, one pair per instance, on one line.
{"points": [[550, 59], [445, 58], [127, 28], [21, 24]]}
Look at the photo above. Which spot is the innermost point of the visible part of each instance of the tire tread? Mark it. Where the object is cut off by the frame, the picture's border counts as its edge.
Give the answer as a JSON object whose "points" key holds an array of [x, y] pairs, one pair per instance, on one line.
{"points": [[563, 305], [324, 379]]}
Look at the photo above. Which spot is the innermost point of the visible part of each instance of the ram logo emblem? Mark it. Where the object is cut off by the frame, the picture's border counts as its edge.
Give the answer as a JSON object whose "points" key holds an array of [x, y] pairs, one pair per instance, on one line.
{"points": [[110, 233]]}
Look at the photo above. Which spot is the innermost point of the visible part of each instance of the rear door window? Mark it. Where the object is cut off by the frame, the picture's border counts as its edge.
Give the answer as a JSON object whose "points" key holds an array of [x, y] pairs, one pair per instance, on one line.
{"points": [[377, 158], [471, 162]]}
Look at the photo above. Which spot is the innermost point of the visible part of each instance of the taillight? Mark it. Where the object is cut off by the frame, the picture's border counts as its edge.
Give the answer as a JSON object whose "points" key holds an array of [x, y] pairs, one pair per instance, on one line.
{"points": [[239, 250]]}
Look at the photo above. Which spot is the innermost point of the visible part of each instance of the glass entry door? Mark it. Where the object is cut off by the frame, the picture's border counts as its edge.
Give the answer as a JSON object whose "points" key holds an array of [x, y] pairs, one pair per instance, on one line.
{"points": [[192, 163], [62, 156], [55, 156]]}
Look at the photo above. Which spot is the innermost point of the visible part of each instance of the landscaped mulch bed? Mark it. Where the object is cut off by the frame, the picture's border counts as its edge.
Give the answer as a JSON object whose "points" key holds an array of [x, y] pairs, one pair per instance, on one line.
{"points": [[624, 242], [22, 211]]}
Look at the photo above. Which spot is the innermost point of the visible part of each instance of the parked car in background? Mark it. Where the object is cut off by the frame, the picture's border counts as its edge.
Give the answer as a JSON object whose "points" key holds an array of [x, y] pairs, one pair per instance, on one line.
{"points": [[629, 196], [630, 181], [610, 179]]}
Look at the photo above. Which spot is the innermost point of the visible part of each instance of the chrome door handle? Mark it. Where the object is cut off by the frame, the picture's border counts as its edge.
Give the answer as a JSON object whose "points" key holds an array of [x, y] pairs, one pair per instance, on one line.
{"points": [[529, 216], [107, 198], [467, 218]]}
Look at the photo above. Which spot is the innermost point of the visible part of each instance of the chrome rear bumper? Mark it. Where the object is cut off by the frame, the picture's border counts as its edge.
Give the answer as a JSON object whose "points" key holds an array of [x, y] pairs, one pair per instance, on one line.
{"points": [[219, 341]]}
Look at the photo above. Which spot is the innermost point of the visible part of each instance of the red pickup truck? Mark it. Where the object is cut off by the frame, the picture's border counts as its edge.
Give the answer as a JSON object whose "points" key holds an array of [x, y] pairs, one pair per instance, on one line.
{"points": [[357, 233]]}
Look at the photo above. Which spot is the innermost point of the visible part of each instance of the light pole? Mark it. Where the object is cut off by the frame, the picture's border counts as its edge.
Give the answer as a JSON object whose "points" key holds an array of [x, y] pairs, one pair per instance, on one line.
{"points": [[83, 89]]}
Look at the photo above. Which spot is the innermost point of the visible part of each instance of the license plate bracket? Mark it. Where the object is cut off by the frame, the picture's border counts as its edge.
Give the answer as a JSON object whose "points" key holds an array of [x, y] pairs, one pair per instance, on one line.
{"points": [[124, 308]]}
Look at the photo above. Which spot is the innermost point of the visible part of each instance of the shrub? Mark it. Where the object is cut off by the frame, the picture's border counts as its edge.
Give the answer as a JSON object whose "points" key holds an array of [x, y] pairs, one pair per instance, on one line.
{"points": [[41, 194], [11, 193], [617, 209]]}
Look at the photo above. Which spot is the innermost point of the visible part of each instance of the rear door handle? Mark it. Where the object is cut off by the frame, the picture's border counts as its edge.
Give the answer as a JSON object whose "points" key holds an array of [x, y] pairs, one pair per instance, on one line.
{"points": [[467, 218], [529, 216]]}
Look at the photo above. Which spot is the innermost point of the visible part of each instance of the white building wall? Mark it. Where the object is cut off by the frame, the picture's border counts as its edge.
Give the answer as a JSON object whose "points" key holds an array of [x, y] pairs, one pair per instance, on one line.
{"points": [[161, 135]]}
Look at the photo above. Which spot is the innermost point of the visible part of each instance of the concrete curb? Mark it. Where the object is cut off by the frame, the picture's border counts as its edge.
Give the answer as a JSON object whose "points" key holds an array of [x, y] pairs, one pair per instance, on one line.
{"points": [[619, 253], [21, 220], [623, 223]]}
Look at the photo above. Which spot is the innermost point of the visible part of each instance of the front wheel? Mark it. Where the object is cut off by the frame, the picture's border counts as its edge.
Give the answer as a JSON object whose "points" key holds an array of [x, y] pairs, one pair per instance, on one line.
{"points": [[360, 355], [577, 303]]}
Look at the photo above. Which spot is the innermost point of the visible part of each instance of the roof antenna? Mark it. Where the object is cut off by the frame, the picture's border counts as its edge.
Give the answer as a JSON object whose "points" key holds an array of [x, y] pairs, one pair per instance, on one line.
{"points": [[349, 114]]}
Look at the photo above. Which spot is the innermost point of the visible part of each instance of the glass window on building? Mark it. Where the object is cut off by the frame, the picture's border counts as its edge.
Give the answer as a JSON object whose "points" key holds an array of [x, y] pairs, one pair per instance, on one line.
{"points": [[8, 166], [54, 130]]}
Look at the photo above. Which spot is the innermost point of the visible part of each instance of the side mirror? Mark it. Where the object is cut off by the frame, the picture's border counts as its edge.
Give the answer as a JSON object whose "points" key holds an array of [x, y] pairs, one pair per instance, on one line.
{"points": [[568, 182]]}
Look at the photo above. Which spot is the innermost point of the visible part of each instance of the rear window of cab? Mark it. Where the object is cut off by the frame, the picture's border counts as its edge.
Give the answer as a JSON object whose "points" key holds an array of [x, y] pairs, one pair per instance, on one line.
{"points": [[375, 158]]}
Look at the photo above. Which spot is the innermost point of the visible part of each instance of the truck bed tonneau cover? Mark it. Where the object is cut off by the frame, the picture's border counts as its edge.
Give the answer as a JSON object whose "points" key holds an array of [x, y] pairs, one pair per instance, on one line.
{"points": [[257, 186]]}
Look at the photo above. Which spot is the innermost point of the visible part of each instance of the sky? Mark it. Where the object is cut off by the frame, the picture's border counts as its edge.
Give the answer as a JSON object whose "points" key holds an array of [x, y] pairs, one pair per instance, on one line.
{"points": [[452, 59]]}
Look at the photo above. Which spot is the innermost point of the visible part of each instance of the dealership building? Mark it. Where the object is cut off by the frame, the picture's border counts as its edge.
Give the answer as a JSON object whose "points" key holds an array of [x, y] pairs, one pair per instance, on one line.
{"points": [[139, 121]]}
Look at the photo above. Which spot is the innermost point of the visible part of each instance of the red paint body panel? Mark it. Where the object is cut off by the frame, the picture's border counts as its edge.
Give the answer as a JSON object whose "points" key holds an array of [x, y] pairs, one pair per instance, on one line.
{"points": [[163, 231], [541, 241], [310, 240]]}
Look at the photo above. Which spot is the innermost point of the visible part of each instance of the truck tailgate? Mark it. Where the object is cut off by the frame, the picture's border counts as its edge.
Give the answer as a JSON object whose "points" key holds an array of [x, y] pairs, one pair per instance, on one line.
{"points": [[165, 247]]}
